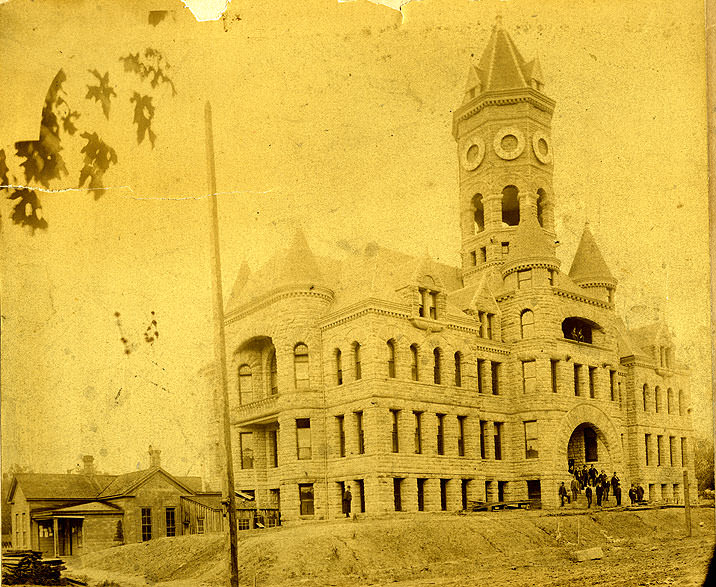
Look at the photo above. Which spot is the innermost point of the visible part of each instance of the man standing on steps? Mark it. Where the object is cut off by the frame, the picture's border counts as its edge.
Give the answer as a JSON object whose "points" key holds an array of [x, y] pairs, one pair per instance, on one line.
{"points": [[562, 494], [347, 497], [588, 495], [639, 493], [599, 490], [575, 489]]}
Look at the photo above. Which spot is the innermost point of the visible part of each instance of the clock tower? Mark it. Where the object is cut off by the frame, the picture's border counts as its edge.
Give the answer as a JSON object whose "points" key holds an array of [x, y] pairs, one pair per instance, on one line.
{"points": [[504, 151]]}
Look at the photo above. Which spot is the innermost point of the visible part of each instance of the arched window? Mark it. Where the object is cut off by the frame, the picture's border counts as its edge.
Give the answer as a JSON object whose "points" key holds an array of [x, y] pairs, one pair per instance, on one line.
{"points": [[458, 369], [645, 395], [669, 401], [682, 407], [246, 391], [339, 367], [356, 360], [300, 366], [436, 366], [541, 205], [577, 329], [273, 374], [527, 322], [657, 399], [510, 206], [414, 362], [391, 358], [479, 213]]}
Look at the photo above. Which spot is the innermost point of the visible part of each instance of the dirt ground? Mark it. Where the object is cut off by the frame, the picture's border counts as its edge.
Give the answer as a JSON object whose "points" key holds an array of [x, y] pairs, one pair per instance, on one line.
{"points": [[647, 547]]}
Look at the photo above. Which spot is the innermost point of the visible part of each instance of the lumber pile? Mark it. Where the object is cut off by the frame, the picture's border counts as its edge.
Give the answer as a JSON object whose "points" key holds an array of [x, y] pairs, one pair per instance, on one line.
{"points": [[27, 566]]}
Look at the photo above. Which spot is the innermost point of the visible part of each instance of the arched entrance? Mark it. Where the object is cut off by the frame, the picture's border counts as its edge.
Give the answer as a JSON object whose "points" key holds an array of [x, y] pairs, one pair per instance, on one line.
{"points": [[588, 446]]}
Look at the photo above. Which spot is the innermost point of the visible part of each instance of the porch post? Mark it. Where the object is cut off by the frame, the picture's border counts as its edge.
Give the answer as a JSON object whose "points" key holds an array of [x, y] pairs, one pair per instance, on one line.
{"points": [[55, 530]]}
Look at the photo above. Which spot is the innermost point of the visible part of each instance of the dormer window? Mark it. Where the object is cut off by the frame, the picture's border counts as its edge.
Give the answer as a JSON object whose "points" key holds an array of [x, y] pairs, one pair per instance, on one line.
{"points": [[505, 249], [577, 329], [428, 303]]}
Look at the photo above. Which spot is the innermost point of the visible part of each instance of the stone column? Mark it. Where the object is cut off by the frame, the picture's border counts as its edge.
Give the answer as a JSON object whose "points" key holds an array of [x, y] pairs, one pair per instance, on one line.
{"points": [[493, 211], [528, 204], [430, 433], [454, 495], [490, 442], [431, 488], [409, 494]]}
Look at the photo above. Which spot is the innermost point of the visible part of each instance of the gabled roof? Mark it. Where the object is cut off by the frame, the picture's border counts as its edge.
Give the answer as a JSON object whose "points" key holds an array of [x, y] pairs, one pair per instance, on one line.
{"points": [[588, 265], [127, 483], [651, 335], [93, 507], [59, 486]]}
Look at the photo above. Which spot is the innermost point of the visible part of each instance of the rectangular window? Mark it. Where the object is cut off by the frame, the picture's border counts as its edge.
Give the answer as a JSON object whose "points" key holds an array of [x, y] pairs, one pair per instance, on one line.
{"points": [[498, 441], [361, 434], [524, 279], [483, 436], [395, 414], [243, 524], [612, 385], [458, 370], [418, 433], [461, 436], [415, 374], [505, 249], [529, 376], [433, 305], [551, 277], [305, 496], [553, 371], [200, 525], [577, 390], [171, 522], [441, 433], [246, 446], [658, 450], [146, 524], [339, 368], [481, 323], [340, 420], [273, 448], [483, 254], [489, 317], [397, 501], [303, 438], [672, 446], [360, 486], [647, 447], [592, 384], [421, 495], [531, 441], [443, 494], [684, 456], [480, 367], [473, 258], [495, 367]]}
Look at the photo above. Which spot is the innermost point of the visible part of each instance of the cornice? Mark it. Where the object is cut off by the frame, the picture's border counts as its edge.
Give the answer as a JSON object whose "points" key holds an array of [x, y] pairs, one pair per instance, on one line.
{"points": [[289, 291]]}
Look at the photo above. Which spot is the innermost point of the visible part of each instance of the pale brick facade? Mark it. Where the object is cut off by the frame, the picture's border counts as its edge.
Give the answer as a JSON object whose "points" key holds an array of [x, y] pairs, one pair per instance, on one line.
{"points": [[534, 367]]}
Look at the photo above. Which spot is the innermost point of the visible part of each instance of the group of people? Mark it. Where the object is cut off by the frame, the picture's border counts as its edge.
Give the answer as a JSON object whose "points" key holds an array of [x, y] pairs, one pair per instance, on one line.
{"points": [[588, 478]]}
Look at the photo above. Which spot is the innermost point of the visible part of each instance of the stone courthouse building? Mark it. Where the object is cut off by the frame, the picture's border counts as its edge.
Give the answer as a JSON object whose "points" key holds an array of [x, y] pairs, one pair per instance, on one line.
{"points": [[422, 386]]}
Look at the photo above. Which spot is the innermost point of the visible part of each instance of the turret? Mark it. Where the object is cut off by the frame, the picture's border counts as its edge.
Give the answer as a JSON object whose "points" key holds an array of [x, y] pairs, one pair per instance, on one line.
{"points": [[502, 131], [590, 271]]}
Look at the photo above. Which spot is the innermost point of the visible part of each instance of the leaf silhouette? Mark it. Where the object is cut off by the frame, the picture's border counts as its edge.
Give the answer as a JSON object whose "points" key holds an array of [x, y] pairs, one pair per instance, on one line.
{"points": [[150, 65], [28, 210], [101, 93], [98, 158], [143, 116]]}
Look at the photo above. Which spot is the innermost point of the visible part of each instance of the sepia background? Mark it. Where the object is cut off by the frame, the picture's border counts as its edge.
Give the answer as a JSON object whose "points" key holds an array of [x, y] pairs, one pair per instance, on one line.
{"points": [[335, 117]]}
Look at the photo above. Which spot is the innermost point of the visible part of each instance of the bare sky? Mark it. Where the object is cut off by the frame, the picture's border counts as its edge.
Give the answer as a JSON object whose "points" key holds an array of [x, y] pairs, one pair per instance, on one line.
{"points": [[335, 117]]}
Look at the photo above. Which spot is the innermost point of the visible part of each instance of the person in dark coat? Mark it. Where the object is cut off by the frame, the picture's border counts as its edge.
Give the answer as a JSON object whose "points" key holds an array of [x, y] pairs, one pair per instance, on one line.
{"points": [[574, 486], [639, 493], [605, 486], [599, 494], [562, 494], [592, 476], [617, 491], [615, 483], [632, 494], [588, 495], [347, 497]]}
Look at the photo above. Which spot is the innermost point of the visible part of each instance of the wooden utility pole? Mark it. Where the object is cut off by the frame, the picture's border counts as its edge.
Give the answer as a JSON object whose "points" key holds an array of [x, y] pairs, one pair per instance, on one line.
{"points": [[220, 350], [687, 502]]}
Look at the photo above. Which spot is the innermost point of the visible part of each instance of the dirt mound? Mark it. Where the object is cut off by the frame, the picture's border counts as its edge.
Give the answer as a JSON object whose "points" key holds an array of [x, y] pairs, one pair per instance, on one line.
{"points": [[373, 551]]}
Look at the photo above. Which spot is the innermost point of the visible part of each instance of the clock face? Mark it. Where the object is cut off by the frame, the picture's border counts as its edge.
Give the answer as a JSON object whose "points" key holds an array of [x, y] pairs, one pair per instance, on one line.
{"points": [[472, 153], [542, 147], [509, 143]]}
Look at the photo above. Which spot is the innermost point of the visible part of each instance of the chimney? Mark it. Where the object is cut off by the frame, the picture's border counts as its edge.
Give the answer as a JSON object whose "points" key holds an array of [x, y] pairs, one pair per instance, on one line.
{"points": [[154, 457], [88, 461]]}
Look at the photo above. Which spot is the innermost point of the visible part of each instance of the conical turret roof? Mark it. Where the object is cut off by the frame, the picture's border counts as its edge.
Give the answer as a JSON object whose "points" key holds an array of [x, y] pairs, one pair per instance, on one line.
{"points": [[530, 245], [588, 265]]}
